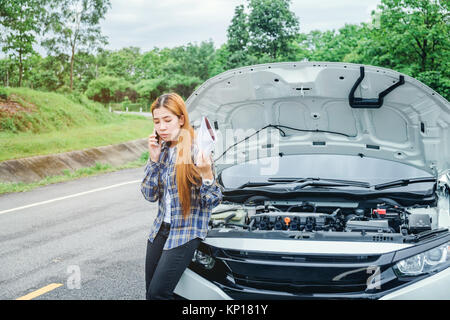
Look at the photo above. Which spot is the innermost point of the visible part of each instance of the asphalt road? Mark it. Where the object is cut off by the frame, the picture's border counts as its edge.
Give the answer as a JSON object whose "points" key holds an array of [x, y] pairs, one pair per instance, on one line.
{"points": [[87, 236]]}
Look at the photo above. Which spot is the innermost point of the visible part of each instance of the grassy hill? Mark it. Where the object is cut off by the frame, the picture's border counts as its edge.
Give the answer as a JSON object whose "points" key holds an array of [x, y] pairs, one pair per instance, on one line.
{"points": [[37, 123]]}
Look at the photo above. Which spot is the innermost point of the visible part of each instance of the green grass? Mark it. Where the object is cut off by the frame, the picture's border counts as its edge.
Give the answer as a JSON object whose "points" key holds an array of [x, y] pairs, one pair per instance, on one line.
{"points": [[49, 111], [68, 175], [54, 123], [15, 146], [59, 123]]}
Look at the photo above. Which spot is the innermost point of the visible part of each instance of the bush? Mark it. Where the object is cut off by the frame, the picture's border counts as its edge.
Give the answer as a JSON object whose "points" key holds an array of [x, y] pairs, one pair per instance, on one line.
{"points": [[64, 90], [183, 85], [109, 89], [149, 90], [7, 124], [3, 93]]}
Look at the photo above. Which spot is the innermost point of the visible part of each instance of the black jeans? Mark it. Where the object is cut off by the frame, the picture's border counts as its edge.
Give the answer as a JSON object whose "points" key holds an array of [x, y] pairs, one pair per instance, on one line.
{"points": [[163, 268]]}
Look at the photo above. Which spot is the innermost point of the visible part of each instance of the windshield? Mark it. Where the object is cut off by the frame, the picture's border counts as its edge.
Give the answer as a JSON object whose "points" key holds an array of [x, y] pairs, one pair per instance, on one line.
{"points": [[373, 171]]}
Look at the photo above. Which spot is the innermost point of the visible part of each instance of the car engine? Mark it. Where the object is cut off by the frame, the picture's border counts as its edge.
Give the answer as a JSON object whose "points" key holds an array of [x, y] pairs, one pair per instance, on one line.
{"points": [[322, 216]]}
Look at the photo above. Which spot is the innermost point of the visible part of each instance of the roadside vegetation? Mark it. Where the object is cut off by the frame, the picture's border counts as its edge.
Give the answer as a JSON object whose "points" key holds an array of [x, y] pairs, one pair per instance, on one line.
{"points": [[409, 36], [38, 123]]}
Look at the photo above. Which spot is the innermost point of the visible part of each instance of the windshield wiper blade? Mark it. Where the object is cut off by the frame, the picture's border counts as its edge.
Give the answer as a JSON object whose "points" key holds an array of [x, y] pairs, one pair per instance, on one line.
{"points": [[425, 234], [402, 182], [304, 182], [341, 182], [256, 184]]}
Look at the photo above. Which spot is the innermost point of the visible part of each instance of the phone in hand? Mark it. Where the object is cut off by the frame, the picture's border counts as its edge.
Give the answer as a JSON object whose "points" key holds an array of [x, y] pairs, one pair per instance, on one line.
{"points": [[157, 137]]}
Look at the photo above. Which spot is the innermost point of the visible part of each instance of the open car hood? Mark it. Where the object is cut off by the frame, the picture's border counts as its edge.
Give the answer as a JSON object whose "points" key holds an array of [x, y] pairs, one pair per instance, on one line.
{"points": [[340, 108]]}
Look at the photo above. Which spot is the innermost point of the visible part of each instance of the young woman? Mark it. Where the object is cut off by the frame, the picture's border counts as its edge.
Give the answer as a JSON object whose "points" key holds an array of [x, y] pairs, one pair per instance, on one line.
{"points": [[181, 178]]}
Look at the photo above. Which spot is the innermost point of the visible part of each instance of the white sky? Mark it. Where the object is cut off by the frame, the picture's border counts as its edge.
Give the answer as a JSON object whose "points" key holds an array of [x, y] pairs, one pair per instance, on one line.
{"points": [[168, 23]]}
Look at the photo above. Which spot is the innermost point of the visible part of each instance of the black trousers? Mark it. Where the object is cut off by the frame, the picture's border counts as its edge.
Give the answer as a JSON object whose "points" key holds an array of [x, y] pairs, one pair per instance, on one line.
{"points": [[163, 268]]}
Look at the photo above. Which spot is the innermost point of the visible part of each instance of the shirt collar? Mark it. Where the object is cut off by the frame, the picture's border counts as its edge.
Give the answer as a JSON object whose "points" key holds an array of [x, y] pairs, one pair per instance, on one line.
{"points": [[165, 145]]}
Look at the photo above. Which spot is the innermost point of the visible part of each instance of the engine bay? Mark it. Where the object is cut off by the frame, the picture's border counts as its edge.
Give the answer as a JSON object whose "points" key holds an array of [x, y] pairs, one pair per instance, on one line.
{"points": [[315, 216]]}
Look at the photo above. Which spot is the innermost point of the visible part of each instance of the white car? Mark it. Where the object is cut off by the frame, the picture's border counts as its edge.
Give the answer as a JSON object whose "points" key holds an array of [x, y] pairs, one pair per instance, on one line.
{"points": [[335, 184]]}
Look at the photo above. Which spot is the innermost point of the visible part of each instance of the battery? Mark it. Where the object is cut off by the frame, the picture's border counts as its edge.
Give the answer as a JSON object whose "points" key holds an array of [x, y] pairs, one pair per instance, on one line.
{"points": [[419, 223]]}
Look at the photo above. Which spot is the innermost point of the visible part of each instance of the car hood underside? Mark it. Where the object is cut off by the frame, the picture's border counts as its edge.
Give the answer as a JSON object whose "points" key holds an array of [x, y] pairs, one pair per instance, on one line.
{"points": [[324, 108]]}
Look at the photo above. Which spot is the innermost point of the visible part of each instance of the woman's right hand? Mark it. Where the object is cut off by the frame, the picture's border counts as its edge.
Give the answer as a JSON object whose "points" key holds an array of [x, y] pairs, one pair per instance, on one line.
{"points": [[154, 147]]}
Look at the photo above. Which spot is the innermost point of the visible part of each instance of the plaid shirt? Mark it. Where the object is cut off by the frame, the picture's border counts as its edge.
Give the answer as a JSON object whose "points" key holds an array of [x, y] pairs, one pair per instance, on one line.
{"points": [[203, 200]]}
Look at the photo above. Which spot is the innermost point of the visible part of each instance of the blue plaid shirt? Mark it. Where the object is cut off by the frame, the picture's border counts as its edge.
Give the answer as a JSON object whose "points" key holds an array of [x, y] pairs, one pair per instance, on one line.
{"points": [[203, 200]]}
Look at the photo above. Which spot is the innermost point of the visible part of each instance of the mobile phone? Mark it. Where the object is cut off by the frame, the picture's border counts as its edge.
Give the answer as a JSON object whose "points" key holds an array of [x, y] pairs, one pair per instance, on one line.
{"points": [[157, 137]]}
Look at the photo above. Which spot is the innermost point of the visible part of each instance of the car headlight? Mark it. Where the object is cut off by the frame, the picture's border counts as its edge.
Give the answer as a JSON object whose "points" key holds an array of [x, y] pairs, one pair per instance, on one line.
{"points": [[204, 259], [424, 262]]}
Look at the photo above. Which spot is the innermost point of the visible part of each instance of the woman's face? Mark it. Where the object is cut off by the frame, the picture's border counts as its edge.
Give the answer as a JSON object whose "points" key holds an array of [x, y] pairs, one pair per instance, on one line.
{"points": [[167, 124]]}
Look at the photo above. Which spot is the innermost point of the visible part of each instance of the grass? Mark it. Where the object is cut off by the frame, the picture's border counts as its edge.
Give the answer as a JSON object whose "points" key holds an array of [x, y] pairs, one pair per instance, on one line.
{"points": [[41, 123], [48, 111], [54, 123], [67, 175], [26, 144]]}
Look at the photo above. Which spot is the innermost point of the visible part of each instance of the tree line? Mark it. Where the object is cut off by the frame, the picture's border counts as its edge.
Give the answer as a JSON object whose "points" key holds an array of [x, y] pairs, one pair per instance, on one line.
{"points": [[409, 36]]}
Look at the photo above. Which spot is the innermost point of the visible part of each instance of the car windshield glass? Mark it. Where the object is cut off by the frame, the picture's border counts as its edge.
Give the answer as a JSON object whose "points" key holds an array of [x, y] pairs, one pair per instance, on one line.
{"points": [[340, 167]]}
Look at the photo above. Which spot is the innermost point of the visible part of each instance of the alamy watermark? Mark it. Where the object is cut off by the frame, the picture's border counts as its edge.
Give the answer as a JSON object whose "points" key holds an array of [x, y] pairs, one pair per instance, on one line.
{"points": [[74, 278], [243, 145]]}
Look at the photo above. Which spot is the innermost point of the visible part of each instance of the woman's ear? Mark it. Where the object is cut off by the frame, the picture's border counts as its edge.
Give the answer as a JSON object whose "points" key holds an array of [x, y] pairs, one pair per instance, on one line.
{"points": [[181, 120]]}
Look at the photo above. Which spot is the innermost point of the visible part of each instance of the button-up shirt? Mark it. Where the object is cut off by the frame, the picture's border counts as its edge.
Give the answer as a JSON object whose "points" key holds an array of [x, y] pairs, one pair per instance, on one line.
{"points": [[203, 199]]}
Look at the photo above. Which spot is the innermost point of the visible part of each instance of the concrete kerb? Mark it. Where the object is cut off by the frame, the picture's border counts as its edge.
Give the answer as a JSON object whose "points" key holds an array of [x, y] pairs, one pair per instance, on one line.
{"points": [[36, 168]]}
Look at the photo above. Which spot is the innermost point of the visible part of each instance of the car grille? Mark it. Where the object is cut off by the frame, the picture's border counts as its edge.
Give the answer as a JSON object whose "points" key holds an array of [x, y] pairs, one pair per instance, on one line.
{"points": [[301, 274]]}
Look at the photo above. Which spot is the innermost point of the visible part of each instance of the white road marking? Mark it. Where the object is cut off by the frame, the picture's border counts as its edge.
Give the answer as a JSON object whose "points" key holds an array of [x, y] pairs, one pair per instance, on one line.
{"points": [[69, 196]]}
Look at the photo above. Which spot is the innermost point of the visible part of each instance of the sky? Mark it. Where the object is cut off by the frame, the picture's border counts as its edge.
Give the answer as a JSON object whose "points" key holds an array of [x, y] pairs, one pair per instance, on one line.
{"points": [[169, 23]]}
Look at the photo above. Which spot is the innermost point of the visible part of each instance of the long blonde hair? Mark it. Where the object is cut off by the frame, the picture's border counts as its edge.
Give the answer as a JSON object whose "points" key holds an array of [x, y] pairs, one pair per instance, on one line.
{"points": [[187, 173]]}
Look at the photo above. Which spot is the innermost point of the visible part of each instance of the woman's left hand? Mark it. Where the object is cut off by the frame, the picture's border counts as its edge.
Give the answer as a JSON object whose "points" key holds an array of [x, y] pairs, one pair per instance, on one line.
{"points": [[204, 165]]}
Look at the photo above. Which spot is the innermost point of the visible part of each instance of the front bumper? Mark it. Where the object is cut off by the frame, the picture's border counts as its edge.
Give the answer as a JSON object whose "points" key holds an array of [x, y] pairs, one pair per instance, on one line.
{"points": [[194, 287], [435, 287]]}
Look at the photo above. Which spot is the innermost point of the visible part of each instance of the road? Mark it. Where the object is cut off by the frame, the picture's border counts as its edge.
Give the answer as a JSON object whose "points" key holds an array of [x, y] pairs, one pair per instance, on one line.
{"points": [[145, 114], [85, 238]]}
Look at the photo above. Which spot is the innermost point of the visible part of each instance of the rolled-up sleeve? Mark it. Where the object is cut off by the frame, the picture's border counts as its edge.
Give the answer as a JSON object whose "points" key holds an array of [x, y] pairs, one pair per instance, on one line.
{"points": [[150, 183], [211, 196]]}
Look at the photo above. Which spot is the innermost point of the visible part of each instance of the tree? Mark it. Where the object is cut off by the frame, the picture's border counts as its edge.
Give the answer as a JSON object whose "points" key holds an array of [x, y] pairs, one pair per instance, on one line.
{"points": [[22, 21], [84, 70], [237, 32], [436, 80], [150, 89], [191, 60], [331, 45], [122, 63], [149, 65], [109, 89], [265, 34], [414, 33], [410, 36], [6, 70], [75, 24], [272, 26]]}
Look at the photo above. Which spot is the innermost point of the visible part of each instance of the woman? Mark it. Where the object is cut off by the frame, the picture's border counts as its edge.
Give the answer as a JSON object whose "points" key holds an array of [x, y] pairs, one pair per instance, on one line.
{"points": [[182, 179]]}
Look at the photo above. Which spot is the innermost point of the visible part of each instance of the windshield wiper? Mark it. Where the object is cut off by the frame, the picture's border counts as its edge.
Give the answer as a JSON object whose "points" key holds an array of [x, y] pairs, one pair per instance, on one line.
{"points": [[324, 182], [402, 182], [321, 181], [424, 235], [304, 182]]}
